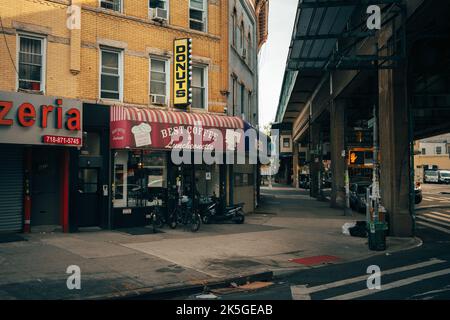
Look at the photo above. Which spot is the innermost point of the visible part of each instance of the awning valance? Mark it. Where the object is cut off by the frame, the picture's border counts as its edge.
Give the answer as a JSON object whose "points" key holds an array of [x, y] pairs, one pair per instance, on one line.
{"points": [[133, 127], [149, 115]]}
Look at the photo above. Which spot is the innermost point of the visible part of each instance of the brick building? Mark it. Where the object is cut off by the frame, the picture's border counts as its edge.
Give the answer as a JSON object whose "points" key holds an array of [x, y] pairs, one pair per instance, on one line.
{"points": [[112, 61]]}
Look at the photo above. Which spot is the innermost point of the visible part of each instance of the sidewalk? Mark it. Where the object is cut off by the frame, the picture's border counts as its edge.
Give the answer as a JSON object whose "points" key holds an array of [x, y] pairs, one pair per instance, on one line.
{"points": [[288, 225]]}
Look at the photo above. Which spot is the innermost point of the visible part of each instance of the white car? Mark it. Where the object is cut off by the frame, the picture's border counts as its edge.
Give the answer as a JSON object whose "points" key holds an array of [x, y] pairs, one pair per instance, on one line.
{"points": [[431, 176], [444, 176]]}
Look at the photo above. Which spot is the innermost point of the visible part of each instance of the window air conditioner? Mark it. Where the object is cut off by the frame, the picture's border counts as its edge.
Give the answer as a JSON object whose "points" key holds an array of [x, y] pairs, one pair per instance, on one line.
{"points": [[159, 14]]}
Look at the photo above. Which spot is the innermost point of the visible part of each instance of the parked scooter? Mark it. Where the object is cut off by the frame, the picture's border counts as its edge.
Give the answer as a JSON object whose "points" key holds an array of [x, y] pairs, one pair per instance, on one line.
{"points": [[211, 212]]}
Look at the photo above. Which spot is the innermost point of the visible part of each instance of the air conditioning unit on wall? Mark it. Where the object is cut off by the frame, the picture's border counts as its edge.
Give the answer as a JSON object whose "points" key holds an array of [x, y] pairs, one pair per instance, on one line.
{"points": [[160, 100], [159, 14]]}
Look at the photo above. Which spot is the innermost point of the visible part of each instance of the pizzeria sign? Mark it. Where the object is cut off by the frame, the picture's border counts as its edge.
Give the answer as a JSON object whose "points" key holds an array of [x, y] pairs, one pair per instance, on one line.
{"points": [[40, 120]]}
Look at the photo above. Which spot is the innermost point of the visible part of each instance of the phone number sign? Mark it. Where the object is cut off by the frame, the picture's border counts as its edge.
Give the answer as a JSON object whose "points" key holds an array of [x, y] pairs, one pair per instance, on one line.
{"points": [[72, 141]]}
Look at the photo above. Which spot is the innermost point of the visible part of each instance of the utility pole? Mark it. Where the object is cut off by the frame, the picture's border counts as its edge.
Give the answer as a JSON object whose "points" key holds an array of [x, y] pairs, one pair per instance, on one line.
{"points": [[375, 182], [376, 226]]}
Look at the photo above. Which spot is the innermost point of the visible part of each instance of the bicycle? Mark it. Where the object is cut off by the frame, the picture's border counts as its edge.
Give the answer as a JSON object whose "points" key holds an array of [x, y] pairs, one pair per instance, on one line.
{"points": [[159, 219], [182, 214]]}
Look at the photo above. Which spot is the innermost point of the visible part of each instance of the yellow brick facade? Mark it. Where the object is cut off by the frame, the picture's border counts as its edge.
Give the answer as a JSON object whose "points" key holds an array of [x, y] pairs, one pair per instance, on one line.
{"points": [[73, 57]]}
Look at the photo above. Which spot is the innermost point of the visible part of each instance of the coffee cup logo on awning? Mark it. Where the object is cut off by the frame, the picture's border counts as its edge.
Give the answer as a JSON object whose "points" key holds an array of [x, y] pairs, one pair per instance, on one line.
{"points": [[182, 73], [142, 135]]}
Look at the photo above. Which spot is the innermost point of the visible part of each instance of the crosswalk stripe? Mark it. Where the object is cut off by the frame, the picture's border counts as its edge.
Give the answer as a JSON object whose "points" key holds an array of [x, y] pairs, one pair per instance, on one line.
{"points": [[434, 221], [392, 285], [426, 224], [428, 198], [441, 214], [438, 217], [302, 292]]}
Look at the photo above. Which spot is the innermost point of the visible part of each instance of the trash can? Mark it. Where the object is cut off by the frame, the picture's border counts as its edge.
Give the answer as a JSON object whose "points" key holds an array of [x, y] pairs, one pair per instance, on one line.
{"points": [[377, 235]]}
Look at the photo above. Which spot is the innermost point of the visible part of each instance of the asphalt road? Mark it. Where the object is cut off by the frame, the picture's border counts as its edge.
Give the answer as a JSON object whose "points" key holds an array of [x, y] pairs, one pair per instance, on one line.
{"points": [[422, 273], [435, 195]]}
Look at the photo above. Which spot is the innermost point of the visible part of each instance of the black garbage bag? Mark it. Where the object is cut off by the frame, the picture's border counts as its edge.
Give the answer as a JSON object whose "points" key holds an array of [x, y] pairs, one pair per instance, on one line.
{"points": [[359, 230]]}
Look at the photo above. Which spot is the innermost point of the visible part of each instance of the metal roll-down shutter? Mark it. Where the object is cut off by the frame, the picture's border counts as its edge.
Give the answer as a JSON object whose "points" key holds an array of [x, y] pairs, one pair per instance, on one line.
{"points": [[11, 188]]}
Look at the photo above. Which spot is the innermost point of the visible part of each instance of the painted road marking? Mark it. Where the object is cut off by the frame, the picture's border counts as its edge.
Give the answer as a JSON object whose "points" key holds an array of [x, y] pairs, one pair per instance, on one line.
{"points": [[436, 216], [435, 221], [441, 214], [392, 285], [302, 292], [426, 224], [429, 198]]}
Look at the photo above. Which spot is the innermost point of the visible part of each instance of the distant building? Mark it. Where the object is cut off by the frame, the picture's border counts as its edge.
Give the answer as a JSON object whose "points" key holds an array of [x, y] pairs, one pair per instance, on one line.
{"points": [[248, 27], [432, 154]]}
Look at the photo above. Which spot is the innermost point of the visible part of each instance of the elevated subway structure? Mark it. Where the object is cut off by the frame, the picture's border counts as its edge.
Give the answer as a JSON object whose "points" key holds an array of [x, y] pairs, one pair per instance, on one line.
{"points": [[338, 71]]}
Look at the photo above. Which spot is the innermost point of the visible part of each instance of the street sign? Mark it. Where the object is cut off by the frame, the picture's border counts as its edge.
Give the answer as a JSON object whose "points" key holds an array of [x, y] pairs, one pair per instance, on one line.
{"points": [[370, 123]]}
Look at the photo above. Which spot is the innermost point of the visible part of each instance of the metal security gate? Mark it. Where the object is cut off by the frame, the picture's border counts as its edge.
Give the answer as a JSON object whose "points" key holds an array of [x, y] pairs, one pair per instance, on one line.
{"points": [[11, 188]]}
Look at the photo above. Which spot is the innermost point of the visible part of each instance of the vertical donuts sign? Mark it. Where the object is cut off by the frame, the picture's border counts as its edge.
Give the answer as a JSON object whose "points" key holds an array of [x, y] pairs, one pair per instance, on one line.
{"points": [[182, 71]]}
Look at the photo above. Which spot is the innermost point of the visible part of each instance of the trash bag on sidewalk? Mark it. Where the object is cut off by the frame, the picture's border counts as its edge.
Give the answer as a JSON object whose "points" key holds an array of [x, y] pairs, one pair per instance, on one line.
{"points": [[359, 230], [346, 227]]}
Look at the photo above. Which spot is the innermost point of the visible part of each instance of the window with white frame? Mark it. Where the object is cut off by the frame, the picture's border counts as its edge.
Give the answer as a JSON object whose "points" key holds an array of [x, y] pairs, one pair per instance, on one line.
{"points": [[198, 14], [111, 74], [199, 86], [115, 5], [158, 9], [31, 63], [159, 79]]}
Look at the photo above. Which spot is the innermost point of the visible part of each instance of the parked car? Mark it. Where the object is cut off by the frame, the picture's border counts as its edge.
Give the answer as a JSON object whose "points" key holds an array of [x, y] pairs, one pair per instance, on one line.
{"points": [[358, 193], [444, 176], [431, 176]]}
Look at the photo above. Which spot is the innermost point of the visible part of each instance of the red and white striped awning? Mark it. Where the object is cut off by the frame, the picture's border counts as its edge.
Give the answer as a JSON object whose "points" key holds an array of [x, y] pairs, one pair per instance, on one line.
{"points": [[151, 115]]}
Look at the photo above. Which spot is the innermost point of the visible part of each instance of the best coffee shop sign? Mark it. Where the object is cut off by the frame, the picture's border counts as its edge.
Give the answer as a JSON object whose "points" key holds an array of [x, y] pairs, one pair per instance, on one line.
{"points": [[40, 120]]}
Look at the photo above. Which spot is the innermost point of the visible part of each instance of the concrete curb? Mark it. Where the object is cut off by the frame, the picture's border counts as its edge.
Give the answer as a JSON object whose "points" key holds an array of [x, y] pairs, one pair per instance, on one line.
{"points": [[171, 291], [433, 207]]}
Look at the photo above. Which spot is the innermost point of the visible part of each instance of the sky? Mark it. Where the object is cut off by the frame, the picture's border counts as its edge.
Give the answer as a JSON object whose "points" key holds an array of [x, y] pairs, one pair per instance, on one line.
{"points": [[273, 56]]}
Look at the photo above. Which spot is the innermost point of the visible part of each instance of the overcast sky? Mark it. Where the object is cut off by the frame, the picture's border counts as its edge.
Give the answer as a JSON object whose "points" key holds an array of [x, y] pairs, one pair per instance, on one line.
{"points": [[273, 57]]}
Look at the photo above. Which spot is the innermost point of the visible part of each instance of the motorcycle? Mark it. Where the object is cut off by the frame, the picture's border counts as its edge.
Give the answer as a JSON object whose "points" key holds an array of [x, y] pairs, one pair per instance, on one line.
{"points": [[211, 212]]}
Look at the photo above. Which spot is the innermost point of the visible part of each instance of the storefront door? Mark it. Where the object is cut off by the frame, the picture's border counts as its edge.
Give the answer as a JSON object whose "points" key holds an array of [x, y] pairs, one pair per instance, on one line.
{"points": [[45, 191], [88, 197]]}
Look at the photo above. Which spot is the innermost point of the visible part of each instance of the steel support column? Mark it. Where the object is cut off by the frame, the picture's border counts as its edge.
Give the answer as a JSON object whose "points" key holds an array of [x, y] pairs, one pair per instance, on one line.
{"points": [[315, 165], [337, 130], [394, 150]]}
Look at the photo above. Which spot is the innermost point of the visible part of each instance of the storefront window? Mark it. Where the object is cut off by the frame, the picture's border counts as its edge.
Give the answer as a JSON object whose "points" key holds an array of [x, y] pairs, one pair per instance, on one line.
{"points": [[138, 177], [207, 180]]}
